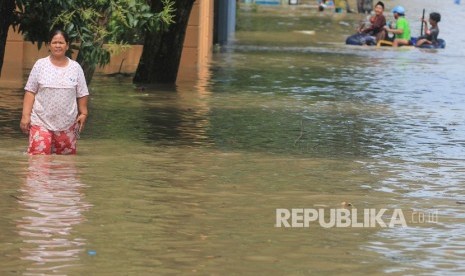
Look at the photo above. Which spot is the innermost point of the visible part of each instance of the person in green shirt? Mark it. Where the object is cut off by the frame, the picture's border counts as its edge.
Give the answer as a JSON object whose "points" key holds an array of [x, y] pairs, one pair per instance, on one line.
{"points": [[402, 30]]}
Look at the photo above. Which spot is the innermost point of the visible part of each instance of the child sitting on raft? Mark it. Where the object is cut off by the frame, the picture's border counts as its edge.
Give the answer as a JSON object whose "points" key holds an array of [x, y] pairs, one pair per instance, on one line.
{"points": [[402, 30], [374, 32], [431, 35], [377, 23]]}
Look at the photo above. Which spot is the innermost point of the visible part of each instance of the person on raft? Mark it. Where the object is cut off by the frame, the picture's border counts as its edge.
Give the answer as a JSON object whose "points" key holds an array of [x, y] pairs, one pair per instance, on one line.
{"points": [[431, 35], [402, 30], [377, 23]]}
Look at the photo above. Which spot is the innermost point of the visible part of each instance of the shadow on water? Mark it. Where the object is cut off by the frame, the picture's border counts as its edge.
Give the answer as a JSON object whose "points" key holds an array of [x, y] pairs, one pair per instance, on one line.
{"points": [[312, 116], [10, 112], [163, 115]]}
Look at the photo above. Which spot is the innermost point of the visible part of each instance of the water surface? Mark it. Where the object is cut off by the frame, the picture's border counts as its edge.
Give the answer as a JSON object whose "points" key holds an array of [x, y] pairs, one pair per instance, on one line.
{"points": [[187, 179]]}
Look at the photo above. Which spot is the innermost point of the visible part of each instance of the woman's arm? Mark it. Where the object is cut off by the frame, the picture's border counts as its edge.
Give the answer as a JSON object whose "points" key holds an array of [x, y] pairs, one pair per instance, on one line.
{"points": [[28, 102], [83, 113]]}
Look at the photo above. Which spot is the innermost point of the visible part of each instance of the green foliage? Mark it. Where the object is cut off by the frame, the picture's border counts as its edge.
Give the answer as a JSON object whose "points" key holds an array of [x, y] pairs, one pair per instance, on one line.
{"points": [[91, 23], [35, 19], [129, 24]]}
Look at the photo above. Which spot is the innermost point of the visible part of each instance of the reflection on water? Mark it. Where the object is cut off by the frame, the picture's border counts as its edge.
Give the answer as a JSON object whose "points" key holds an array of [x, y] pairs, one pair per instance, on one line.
{"points": [[10, 112], [53, 203]]}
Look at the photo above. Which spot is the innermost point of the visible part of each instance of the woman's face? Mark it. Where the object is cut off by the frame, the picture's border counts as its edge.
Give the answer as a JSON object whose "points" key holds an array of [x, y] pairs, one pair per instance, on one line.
{"points": [[58, 46], [379, 10]]}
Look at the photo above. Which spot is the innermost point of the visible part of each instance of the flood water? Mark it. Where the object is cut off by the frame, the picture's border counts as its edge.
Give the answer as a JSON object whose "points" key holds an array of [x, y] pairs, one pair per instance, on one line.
{"points": [[187, 179]]}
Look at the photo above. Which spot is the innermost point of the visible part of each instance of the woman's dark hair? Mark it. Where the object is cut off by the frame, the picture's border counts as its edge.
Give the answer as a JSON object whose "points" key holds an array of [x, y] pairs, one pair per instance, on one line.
{"points": [[54, 32], [435, 16], [380, 3]]}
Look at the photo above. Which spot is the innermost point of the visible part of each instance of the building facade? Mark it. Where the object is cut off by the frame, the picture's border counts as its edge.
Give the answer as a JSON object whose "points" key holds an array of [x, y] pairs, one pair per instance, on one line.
{"points": [[20, 55]]}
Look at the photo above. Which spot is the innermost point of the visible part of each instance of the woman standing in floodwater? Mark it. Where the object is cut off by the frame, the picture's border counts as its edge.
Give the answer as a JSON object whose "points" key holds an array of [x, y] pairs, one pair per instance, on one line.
{"points": [[55, 101]]}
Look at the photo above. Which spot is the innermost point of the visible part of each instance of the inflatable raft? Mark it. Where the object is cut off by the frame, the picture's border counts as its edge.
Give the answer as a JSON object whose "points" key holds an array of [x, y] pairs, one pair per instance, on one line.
{"points": [[440, 45], [361, 39], [364, 39]]}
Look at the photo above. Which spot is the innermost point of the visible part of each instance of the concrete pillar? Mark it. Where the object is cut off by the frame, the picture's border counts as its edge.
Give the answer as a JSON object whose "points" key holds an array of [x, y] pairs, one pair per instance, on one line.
{"points": [[198, 42], [225, 21]]}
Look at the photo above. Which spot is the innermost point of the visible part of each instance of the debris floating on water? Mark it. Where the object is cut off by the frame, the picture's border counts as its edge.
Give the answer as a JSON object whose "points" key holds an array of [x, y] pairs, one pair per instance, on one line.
{"points": [[307, 32], [345, 204]]}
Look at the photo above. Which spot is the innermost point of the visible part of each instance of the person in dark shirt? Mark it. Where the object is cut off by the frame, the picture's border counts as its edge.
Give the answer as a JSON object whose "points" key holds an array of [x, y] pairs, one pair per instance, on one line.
{"points": [[377, 23], [431, 35]]}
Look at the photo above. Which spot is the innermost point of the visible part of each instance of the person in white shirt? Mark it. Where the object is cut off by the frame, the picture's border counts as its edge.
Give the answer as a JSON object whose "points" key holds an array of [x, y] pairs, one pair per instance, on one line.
{"points": [[55, 101]]}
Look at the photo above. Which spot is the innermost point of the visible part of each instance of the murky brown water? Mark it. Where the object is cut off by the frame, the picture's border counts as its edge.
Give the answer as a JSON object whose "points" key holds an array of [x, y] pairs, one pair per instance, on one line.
{"points": [[187, 180]]}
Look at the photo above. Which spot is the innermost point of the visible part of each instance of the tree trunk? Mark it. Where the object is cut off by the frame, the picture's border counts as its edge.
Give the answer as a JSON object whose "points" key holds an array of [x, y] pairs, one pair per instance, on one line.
{"points": [[87, 67], [162, 51], [6, 18]]}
